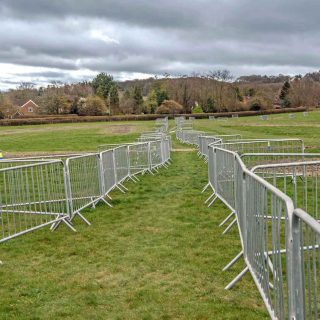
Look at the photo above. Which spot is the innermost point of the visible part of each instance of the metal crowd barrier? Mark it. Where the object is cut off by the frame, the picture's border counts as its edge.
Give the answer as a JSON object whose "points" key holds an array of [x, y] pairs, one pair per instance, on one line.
{"points": [[276, 209], [206, 140], [265, 146], [189, 136], [162, 124], [139, 158], [253, 159], [272, 189], [41, 191], [32, 196]]}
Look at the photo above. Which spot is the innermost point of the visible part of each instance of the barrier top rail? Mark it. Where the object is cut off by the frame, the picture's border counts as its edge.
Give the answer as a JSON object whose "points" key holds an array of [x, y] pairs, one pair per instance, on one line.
{"points": [[253, 159], [33, 164], [284, 165], [43, 157], [260, 146]]}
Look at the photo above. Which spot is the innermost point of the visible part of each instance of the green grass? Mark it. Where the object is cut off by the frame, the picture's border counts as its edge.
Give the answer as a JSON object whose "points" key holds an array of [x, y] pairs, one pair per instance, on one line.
{"points": [[278, 126], [69, 137], [158, 254]]}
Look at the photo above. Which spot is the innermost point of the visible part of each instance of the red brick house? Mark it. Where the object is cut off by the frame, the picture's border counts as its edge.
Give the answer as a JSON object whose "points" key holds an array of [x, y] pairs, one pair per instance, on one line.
{"points": [[30, 108]]}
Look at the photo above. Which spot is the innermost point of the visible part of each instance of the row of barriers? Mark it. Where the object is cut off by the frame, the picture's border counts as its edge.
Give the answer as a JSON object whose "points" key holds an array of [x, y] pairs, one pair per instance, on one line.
{"points": [[272, 189], [47, 191]]}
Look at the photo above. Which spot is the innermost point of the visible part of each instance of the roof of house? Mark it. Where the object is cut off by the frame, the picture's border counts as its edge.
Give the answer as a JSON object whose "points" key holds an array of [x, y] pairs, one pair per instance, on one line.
{"points": [[31, 102], [18, 112]]}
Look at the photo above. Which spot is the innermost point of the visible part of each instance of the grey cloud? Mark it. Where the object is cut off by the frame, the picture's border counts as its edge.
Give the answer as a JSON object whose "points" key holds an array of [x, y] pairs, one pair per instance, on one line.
{"points": [[153, 37], [141, 12]]}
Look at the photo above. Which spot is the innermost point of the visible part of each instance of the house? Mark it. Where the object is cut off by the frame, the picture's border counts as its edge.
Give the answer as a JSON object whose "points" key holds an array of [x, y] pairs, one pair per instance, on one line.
{"points": [[30, 108]]}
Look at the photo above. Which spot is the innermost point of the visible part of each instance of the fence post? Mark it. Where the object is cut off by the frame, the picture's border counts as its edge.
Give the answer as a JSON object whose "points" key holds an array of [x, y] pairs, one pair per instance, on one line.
{"points": [[295, 291], [215, 170], [149, 157], [101, 174], [67, 185], [244, 212], [294, 268], [114, 167]]}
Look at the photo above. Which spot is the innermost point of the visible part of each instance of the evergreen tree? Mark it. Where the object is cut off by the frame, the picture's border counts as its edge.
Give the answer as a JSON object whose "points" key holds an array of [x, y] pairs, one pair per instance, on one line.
{"points": [[137, 98], [102, 85], [238, 94], [285, 102], [114, 100], [210, 107], [161, 95]]}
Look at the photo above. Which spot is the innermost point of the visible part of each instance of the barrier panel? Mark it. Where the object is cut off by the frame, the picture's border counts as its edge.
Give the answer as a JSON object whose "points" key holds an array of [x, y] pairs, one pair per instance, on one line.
{"points": [[47, 190], [307, 236], [84, 183], [139, 158], [108, 170], [275, 206], [189, 136], [254, 159], [122, 165], [32, 196], [265, 146], [280, 249], [156, 154], [300, 180], [259, 208], [206, 140]]}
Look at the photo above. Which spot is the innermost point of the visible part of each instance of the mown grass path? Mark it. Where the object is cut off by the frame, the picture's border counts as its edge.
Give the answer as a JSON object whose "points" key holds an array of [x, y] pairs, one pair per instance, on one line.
{"points": [[157, 254]]}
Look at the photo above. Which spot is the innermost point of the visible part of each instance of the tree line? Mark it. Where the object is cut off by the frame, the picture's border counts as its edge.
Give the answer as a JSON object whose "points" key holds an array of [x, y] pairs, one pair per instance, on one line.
{"points": [[215, 91]]}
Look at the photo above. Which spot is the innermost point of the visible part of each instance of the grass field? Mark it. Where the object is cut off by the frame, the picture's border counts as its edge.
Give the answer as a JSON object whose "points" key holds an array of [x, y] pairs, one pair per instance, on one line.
{"points": [[157, 254]]}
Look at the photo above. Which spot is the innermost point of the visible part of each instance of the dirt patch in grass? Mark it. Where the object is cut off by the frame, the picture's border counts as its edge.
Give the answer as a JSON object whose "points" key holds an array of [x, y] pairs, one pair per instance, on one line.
{"points": [[120, 128], [282, 125], [8, 155]]}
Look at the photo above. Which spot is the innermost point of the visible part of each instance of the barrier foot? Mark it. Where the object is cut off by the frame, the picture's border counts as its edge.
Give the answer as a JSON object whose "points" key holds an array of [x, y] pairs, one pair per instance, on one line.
{"points": [[107, 203], [66, 222], [120, 189], [237, 278], [108, 196], [210, 197], [135, 177], [233, 261], [212, 202], [205, 188], [130, 178], [83, 218], [122, 186], [229, 226], [226, 219], [55, 225]]}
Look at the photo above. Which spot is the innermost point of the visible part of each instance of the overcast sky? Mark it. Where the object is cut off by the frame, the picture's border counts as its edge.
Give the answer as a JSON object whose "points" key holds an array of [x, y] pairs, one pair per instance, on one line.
{"points": [[72, 40]]}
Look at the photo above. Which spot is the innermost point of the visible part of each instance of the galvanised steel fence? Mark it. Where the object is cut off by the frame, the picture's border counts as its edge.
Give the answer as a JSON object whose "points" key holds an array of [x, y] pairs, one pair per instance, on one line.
{"points": [[32, 195], [254, 159], [162, 124], [265, 146], [276, 209], [272, 190], [37, 192], [190, 137], [206, 140]]}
